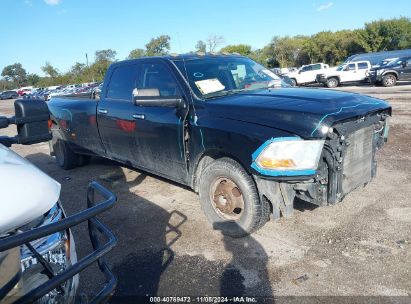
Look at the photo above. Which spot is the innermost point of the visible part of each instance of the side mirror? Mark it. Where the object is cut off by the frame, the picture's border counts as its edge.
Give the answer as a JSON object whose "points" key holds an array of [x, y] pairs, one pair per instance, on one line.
{"points": [[152, 98], [32, 118], [404, 64]]}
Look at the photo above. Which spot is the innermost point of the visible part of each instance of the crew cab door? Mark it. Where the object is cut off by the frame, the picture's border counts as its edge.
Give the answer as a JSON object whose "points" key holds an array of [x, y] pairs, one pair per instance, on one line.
{"points": [[160, 128], [349, 73], [114, 114], [309, 73]]}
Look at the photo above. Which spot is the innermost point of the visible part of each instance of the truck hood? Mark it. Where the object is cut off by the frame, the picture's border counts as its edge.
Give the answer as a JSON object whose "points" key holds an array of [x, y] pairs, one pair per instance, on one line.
{"points": [[302, 112], [25, 192]]}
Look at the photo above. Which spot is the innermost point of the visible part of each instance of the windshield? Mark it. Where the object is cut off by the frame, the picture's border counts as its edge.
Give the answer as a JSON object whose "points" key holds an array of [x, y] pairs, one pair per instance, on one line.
{"points": [[211, 77], [395, 62], [341, 67]]}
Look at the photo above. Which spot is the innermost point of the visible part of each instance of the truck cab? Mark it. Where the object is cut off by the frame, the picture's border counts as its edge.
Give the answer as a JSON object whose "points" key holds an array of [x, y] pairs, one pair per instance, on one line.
{"points": [[346, 73], [307, 73]]}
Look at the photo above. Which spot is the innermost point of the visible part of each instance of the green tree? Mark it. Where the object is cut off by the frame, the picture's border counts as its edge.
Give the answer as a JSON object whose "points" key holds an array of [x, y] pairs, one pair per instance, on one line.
{"points": [[136, 53], [385, 35], [107, 55], [49, 70], [100, 66], [242, 49], [158, 46], [16, 73], [33, 79], [201, 46]]}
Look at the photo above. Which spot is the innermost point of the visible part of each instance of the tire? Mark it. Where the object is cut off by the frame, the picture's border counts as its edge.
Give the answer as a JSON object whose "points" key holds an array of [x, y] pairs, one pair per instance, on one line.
{"points": [[332, 82], [228, 177], [293, 82], [65, 157], [83, 160], [389, 80]]}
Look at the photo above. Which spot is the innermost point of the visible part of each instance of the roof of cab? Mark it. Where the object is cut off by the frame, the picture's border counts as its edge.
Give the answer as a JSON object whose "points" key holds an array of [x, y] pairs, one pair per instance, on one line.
{"points": [[187, 56]]}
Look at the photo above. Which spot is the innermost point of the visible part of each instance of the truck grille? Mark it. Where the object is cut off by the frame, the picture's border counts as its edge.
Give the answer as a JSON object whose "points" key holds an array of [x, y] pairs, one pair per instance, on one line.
{"points": [[358, 159]]}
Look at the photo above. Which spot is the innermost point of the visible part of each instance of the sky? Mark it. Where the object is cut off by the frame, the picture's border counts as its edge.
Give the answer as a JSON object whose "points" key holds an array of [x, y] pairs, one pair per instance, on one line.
{"points": [[63, 31]]}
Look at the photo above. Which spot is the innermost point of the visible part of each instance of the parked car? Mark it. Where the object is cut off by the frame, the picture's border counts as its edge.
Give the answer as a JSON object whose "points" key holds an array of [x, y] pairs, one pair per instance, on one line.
{"points": [[389, 74], [376, 57], [307, 73], [38, 259], [8, 95], [353, 72], [220, 125]]}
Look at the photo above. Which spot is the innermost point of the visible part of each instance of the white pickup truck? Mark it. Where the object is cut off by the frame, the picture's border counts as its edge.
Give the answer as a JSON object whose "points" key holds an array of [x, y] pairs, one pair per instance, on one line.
{"points": [[345, 73], [307, 73]]}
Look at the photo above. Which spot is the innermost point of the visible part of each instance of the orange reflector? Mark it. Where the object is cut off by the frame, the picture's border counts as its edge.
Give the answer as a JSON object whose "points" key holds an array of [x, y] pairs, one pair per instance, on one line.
{"points": [[49, 124], [277, 163]]}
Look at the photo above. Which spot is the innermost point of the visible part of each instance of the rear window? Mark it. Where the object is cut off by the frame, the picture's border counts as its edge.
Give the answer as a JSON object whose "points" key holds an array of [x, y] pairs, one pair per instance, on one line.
{"points": [[122, 82]]}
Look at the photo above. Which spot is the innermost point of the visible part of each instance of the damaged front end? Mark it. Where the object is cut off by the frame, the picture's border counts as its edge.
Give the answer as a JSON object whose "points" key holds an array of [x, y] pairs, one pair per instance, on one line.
{"points": [[347, 162]]}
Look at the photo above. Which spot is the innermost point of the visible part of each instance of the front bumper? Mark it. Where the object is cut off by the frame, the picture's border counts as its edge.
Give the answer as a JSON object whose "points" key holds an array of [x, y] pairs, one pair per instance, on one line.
{"points": [[57, 279], [321, 78]]}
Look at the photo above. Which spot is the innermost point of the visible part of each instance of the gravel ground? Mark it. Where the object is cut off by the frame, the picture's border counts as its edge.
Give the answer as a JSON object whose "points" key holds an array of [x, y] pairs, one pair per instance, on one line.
{"points": [[360, 247]]}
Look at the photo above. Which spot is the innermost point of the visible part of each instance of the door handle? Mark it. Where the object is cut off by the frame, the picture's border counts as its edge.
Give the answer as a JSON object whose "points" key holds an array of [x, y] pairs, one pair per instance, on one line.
{"points": [[102, 111], [139, 116]]}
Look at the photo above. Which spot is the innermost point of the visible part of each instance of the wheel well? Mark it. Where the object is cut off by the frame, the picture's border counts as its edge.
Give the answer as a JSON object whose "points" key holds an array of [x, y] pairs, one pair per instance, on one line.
{"points": [[391, 73], [205, 159]]}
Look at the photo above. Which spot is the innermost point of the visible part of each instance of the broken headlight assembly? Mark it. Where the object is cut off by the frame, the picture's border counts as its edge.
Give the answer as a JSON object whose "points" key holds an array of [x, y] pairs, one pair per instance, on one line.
{"points": [[288, 156]]}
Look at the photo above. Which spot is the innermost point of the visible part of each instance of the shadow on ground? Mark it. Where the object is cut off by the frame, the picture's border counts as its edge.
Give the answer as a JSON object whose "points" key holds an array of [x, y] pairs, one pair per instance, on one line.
{"points": [[144, 260]]}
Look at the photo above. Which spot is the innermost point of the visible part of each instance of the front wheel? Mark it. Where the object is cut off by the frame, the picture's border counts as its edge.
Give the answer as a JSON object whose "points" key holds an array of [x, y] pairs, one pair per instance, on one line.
{"points": [[230, 199], [389, 80], [293, 82], [332, 82]]}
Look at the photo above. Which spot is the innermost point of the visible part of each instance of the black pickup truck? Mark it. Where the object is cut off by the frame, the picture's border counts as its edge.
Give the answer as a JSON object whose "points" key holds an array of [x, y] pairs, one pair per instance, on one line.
{"points": [[228, 128]]}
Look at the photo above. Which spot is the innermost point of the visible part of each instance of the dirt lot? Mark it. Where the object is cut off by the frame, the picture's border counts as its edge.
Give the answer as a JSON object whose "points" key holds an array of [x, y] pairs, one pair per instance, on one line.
{"points": [[359, 247]]}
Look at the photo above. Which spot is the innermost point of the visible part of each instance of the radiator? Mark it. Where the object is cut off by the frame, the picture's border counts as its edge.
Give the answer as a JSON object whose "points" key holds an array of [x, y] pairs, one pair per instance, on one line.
{"points": [[357, 164]]}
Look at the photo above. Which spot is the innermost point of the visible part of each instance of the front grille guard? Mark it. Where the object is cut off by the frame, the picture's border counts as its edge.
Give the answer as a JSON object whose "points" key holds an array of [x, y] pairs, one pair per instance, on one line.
{"points": [[99, 250]]}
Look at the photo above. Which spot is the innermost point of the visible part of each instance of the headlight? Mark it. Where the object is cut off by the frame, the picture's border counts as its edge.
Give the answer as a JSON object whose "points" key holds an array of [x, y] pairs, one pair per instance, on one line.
{"points": [[288, 156], [56, 250]]}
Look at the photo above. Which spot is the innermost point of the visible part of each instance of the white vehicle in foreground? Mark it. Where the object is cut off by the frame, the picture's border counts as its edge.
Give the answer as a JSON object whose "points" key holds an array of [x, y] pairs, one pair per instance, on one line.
{"points": [[346, 73], [307, 73], [38, 259]]}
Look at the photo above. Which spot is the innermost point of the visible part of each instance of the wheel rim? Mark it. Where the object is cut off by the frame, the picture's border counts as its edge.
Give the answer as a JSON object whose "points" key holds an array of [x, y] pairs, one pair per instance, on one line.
{"points": [[227, 199], [389, 80], [332, 83]]}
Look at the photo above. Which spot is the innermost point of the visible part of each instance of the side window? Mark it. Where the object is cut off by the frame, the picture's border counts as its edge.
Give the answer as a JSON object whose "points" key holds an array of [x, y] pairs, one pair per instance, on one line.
{"points": [[351, 67], [157, 76], [316, 67], [122, 82], [362, 65], [307, 68]]}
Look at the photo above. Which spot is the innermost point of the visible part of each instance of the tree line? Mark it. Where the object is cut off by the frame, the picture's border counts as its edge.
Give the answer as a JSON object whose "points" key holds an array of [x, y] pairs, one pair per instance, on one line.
{"points": [[282, 51]]}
